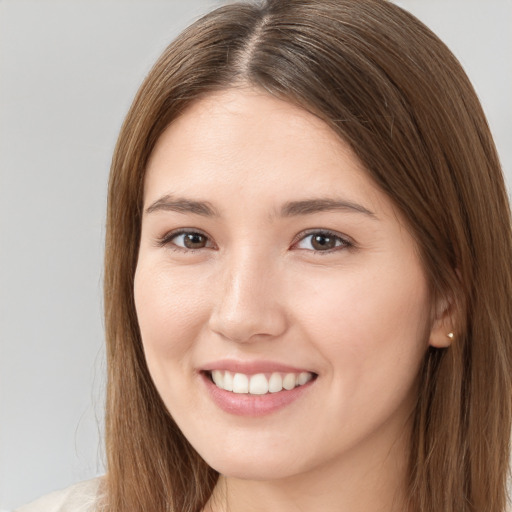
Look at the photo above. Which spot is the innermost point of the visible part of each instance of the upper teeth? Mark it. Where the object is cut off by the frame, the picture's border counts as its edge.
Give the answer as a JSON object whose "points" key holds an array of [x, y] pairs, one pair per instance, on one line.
{"points": [[259, 384]]}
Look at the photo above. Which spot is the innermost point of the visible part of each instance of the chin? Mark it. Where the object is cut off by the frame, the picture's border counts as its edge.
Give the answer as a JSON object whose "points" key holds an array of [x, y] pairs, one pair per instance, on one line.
{"points": [[254, 465], [259, 470]]}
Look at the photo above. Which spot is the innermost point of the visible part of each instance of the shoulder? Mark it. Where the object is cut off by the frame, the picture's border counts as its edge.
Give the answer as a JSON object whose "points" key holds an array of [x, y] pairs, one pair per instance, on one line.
{"points": [[81, 497]]}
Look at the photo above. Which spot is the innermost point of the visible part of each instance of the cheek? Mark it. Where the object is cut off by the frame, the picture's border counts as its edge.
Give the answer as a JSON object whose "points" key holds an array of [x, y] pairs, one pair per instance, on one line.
{"points": [[370, 326], [169, 310]]}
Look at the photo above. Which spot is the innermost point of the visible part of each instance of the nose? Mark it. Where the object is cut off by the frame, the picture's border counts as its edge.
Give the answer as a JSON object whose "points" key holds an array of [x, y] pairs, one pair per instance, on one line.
{"points": [[247, 306]]}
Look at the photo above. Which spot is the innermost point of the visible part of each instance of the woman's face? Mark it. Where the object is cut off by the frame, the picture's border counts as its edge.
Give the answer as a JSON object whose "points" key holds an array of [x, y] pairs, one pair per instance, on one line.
{"points": [[270, 262]]}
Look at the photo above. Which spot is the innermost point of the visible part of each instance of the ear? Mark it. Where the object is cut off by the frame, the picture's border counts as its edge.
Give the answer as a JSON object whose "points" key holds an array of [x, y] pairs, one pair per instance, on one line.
{"points": [[442, 333]]}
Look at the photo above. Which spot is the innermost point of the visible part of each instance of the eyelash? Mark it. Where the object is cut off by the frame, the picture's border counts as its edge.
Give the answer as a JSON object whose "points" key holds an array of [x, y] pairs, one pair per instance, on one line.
{"points": [[166, 240], [342, 242]]}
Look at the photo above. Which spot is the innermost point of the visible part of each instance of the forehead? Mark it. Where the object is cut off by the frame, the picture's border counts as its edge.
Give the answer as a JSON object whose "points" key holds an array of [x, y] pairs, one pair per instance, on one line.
{"points": [[246, 142]]}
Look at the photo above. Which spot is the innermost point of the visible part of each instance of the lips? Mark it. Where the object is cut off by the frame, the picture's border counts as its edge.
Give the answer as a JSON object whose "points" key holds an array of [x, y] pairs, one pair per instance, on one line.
{"points": [[255, 388]]}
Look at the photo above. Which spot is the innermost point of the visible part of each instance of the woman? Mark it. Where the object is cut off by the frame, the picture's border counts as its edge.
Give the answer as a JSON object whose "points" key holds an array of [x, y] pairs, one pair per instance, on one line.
{"points": [[307, 273]]}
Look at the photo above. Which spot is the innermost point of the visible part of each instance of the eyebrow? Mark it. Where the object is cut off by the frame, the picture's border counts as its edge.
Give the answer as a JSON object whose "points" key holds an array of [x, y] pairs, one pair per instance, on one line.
{"points": [[289, 209], [168, 203], [310, 206]]}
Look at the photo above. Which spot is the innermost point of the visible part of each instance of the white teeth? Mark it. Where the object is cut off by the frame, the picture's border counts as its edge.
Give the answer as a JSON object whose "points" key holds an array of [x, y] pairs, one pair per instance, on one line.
{"points": [[275, 383], [259, 384], [304, 377], [240, 383], [289, 381], [228, 381], [218, 378]]}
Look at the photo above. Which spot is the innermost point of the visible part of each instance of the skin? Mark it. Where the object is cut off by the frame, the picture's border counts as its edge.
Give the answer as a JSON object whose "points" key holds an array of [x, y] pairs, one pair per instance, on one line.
{"points": [[358, 315]]}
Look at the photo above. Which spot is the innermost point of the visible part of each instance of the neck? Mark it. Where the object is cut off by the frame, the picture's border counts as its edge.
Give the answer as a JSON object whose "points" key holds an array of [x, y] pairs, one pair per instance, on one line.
{"points": [[368, 481]]}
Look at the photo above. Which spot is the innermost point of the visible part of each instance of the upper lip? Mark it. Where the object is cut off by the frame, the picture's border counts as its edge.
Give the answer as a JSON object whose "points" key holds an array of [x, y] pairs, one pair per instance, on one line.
{"points": [[251, 367]]}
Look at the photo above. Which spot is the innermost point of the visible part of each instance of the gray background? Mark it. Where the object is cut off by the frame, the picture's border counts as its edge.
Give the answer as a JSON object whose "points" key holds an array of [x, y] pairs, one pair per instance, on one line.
{"points": [[68, 71]]}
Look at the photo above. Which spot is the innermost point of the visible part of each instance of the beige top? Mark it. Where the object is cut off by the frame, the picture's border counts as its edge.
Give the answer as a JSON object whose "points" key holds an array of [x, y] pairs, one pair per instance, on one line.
{"points": [[81, 497]]}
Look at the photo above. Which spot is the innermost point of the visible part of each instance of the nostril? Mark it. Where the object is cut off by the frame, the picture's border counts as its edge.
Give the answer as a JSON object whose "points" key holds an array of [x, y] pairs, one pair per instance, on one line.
{"points": [[249, 326]]}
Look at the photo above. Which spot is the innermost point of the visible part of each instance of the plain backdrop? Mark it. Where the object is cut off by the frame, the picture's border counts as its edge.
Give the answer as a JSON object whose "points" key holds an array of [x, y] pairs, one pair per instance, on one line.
{"points": [[68, 72]]}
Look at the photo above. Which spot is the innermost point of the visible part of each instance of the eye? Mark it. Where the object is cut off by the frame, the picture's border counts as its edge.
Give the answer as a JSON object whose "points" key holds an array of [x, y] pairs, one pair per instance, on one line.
{"points": [[322, 241], [189, 240]]}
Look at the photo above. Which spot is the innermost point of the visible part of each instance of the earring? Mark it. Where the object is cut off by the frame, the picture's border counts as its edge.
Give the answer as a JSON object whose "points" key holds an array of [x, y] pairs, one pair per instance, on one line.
{"points": [[451, 336]]}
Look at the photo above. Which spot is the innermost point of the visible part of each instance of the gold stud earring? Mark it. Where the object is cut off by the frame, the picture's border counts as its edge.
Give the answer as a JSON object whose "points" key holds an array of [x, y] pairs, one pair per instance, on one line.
{"points": [[451, 336]]}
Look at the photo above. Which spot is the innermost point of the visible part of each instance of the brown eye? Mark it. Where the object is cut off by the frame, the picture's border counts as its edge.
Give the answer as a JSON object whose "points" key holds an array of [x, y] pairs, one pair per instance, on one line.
{"points": [[322, 242], [194, 240], [187, 240]]}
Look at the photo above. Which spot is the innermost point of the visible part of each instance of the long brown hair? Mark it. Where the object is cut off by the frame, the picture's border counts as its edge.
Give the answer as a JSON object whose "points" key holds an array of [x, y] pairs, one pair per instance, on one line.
{"points": [[393, 91]]}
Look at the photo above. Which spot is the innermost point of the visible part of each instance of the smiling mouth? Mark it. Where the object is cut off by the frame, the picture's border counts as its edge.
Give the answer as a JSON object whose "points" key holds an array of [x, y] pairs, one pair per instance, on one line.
{"points": [[259, 383]]}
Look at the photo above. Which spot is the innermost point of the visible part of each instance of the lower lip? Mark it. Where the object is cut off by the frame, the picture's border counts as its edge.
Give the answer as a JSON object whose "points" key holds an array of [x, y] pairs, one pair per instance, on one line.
{"points": [[244, 404]]}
